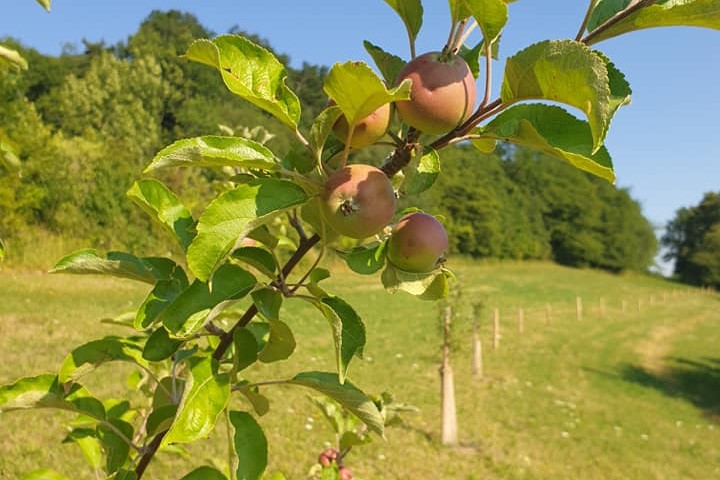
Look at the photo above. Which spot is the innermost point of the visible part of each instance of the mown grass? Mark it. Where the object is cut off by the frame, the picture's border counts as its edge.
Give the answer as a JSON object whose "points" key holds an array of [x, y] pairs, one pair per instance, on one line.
{"points": [[633, 395]]}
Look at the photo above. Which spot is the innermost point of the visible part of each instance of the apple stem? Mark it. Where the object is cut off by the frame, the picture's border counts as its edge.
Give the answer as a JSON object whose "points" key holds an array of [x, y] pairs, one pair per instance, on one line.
{"points": [[460, 41], [488, 73]]}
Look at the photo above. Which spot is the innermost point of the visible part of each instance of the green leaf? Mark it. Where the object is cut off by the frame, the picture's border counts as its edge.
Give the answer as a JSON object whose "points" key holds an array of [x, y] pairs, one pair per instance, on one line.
{"points": [[206, 395], [562, 71], [189, 311], [45, 4], [365, 260], [426, 286], [117, 264], [321, 128], [204, 473], [352, 439], [125, 475], [251, 72], [490, 15], [605, 10], [164, 206], [346, 394], [246, 349], [160, 346], [250, 446], [117, 450], [86, 358], [411, 14], [358, 91], [281, 342], [86, 439], [260, 403], [43, 474], [162, 295], [348, 331], [160, 419], [2, 250], [666, 13], [44, 391], [215, 151], [11, 59], [8, 155], [554, 131], [389, 65], [164, 392], [421, 173], [233, 215], [268, 302], [257, 257], [620, 91]]}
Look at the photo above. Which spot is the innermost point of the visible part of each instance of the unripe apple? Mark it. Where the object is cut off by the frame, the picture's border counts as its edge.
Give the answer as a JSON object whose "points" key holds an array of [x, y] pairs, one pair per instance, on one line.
{"points": [[328, 456], [367, 131], [418, 243], [443, 92], [358, 201], [345, 474]]}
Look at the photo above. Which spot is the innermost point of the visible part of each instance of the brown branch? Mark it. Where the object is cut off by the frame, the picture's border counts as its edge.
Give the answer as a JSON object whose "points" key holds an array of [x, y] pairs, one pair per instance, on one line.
{"points": [[402, 154], [632, 8], [149, 454]]}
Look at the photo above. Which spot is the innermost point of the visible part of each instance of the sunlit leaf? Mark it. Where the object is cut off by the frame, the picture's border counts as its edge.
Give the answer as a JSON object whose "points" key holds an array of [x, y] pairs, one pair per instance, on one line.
{"points": [[234, 214], [206, 396], [664, 13], [11, 59], [117, 264], [164, 206], [215, 151], [86, 358], [252, 72], [490, 15], [348, 331], [189, 311], [358, 91], [554, 131], [44, 391], [426, 286], [562, 71]]}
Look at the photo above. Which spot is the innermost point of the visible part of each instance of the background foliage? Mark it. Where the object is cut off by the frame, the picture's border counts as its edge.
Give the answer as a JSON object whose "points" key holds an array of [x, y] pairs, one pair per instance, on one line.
{"points": [[99, 115]]}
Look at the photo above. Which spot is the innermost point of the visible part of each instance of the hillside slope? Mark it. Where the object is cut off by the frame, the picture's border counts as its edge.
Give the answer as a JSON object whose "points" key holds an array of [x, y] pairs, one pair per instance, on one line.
{"points": [[614, 395]]}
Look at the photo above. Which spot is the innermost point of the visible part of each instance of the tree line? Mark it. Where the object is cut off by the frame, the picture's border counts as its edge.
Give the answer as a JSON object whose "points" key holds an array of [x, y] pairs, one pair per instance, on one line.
{"points": [[84, 125]]}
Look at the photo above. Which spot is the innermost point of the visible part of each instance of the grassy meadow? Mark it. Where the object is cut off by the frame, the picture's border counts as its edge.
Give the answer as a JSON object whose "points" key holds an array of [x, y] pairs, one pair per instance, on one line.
{"points": [[619, 395]]}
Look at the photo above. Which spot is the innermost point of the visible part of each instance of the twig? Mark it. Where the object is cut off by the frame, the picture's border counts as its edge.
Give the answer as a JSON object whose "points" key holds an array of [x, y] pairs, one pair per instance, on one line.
{"points": [[632, 8], [585, 21]]}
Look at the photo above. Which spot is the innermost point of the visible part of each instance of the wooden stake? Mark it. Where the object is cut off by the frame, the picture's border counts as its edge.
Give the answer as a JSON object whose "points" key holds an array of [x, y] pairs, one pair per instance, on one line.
{"points": [[496, 328], [449, 412], [548, 313], [477, 365], [521, 321], [578, 308]]}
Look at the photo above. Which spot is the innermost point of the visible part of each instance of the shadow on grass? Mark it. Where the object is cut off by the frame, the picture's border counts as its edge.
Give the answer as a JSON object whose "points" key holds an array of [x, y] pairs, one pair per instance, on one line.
{"points": [[697, 381]]}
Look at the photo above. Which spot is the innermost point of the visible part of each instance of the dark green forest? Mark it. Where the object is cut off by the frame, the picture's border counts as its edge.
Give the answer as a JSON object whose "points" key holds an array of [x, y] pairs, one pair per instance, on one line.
{"points": [[86, 123]]}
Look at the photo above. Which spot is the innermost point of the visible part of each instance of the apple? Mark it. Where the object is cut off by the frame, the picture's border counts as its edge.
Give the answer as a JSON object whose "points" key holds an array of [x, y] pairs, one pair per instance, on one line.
{"points": [[418, 243], [345, 474], [328, 456], [367, 131], [358, 201], [443, 92]]}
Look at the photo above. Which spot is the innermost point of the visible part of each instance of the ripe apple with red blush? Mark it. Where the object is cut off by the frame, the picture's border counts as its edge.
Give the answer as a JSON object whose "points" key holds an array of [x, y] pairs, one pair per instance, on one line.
{"points": [[358, 201], [443, 92]]}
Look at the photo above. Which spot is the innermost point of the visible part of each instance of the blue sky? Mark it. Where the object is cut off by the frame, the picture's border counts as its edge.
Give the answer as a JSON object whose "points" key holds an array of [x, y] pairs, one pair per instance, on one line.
{"points": [[665, 145]]}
